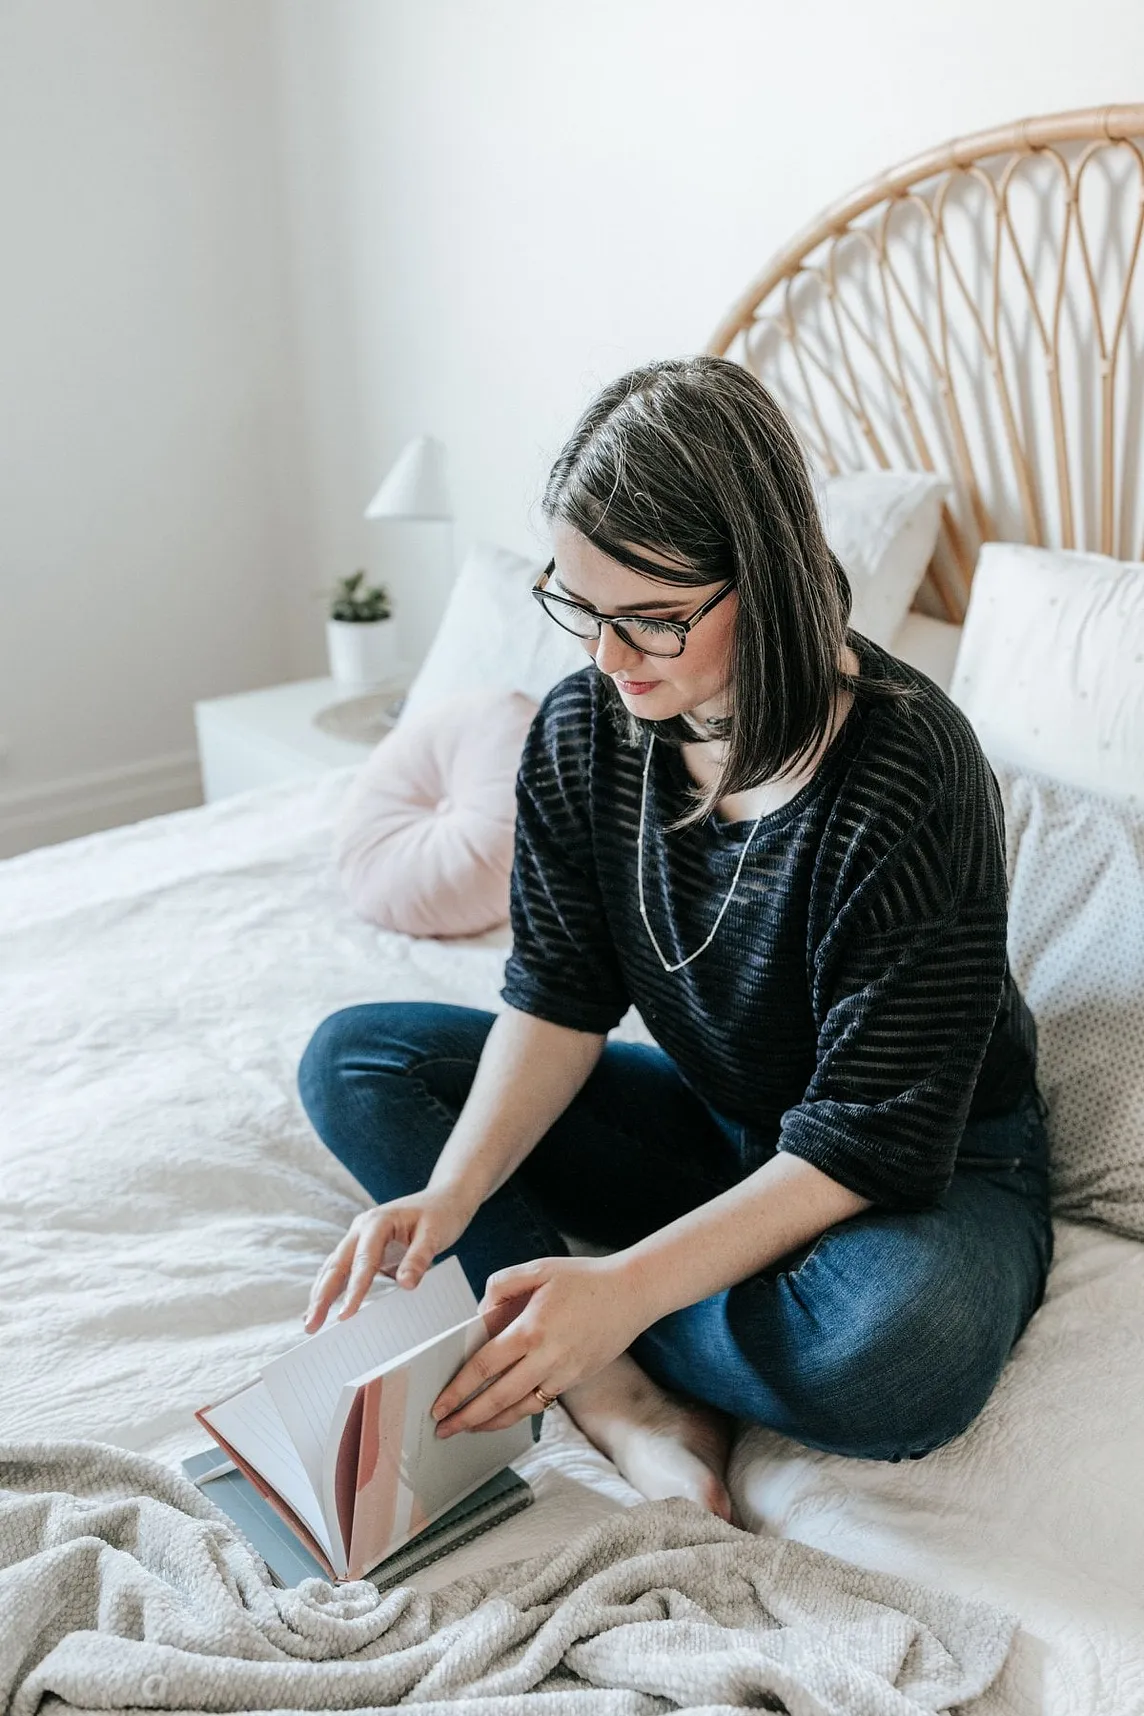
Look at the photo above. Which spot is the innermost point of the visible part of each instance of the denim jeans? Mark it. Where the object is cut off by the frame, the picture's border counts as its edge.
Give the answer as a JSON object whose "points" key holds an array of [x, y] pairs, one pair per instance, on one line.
{"points": [[883, 1338]]}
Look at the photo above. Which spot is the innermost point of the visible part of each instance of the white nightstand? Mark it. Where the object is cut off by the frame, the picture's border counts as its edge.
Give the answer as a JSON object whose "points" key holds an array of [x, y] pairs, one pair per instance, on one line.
{"points": [[257, 738]]}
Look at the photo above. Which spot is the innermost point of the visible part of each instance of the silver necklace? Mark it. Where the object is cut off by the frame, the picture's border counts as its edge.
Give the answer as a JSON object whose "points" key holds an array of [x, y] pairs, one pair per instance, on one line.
{"points": [[639, 875]]}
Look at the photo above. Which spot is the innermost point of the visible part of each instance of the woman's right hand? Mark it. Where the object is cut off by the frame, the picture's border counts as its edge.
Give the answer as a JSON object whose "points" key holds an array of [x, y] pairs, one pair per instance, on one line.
{"points": [[420, 1227]]}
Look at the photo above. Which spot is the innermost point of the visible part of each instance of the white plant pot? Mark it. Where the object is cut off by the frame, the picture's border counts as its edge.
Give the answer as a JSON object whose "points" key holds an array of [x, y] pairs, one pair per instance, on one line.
{"points": [[361, 652]]}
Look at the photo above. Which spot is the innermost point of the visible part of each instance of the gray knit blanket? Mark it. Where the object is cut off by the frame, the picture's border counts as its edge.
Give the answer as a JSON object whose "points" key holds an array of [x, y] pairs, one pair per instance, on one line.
{"points": [[123, 1588]]}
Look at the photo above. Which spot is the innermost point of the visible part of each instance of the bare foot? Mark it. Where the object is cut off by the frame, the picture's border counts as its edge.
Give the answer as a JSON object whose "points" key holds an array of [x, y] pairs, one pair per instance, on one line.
{"points": [[663, 1445]]}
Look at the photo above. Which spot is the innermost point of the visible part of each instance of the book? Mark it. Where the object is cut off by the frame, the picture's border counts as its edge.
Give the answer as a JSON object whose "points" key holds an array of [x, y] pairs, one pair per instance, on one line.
{"points": [[336, 1435], [289, 1561]]}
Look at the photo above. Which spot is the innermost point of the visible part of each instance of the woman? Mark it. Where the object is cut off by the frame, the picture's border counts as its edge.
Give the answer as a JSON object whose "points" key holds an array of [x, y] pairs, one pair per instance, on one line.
{"points": [[826, 1188]]}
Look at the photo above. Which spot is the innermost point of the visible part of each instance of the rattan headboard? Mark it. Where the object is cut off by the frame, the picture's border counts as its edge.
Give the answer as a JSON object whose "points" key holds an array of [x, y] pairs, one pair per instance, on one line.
{"points": [[979, 312]]}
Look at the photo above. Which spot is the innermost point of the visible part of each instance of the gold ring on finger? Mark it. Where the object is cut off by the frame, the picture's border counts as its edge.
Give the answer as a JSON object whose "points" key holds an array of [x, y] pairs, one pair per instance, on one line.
{"points": [[546, 1400]]}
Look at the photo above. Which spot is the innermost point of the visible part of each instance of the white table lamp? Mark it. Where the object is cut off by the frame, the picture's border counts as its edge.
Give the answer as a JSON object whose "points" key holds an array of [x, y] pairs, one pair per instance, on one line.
{"points": [[415, 498], [416, 486]]}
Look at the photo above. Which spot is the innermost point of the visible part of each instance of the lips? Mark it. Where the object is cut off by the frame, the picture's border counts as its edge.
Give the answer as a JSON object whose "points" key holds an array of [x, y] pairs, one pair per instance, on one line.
{"points": [[636, 687]]}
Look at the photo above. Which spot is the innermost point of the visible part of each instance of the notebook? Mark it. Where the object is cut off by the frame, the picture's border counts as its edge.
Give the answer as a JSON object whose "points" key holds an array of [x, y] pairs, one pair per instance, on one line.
{"points": [[287, 1557], [336, 1435]]}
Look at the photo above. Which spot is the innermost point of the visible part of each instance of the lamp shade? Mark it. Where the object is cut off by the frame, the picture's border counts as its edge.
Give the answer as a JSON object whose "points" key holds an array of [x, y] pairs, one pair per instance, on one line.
{"points": [[416, 485]]}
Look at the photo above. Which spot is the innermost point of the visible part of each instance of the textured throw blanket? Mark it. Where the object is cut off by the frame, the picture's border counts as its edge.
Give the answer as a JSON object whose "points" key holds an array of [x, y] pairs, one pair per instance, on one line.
{"points": [[123, 1588]]}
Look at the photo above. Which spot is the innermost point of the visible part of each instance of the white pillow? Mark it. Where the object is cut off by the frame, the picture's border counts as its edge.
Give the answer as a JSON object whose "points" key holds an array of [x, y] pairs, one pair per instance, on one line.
{"points": [[494, 636], [883, 526], [1076, 944], [1051, 665]]}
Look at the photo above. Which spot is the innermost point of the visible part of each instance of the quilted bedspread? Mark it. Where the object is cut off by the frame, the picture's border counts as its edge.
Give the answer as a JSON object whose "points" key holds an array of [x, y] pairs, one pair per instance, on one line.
{"points": [[164, 1204]]}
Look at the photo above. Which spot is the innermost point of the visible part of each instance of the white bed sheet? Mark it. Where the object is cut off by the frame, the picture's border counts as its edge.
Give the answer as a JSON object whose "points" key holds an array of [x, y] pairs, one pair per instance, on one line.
{"points": [[164, 1204]]}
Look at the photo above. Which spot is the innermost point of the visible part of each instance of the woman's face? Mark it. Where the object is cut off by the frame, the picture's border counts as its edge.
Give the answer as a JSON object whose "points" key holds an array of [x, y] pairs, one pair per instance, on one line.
{"points": [[653, 687]]}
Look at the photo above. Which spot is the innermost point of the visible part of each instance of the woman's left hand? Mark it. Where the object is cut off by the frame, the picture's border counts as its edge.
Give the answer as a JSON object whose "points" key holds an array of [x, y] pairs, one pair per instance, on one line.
{"points": [[553, 1322]]}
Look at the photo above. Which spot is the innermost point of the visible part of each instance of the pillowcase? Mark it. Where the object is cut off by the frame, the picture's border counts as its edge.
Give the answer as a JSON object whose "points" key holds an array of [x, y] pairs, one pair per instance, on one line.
{"points": [[1051, 673], [883, 526], [424, 840], [1076, 945], [1051, 665], [493, 636]]}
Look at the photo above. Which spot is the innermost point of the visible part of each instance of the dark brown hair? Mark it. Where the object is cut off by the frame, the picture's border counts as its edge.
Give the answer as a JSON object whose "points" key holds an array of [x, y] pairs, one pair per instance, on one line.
{"points": [[692, 458]]}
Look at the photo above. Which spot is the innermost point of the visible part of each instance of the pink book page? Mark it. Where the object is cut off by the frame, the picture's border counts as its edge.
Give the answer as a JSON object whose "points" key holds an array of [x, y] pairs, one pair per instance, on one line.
{"points": [[378, 1488], [406, 1476]]}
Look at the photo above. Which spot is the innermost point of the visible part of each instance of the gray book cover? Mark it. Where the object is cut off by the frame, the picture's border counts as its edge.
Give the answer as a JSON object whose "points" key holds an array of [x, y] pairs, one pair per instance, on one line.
{"points": [[288, 1559]]}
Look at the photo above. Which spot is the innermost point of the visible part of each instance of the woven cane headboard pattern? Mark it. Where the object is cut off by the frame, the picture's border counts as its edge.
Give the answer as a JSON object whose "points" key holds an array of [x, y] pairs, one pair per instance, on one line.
{"points": [[979, 312]]}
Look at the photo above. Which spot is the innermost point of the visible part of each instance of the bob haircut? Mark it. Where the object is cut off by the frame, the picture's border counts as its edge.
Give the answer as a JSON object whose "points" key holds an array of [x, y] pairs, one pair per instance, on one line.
{"points": [[693, 459]]}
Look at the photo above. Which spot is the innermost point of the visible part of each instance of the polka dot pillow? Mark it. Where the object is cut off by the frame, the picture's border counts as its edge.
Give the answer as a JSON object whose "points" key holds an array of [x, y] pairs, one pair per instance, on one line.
{"points": [[1050, 669], [1076, 945]]}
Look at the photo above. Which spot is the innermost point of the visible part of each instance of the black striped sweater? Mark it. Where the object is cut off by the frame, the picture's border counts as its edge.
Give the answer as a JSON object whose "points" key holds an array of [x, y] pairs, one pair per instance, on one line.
{"points": [[855, 1006]]}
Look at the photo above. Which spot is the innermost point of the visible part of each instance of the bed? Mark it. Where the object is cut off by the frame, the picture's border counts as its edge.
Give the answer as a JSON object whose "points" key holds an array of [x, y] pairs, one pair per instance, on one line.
{"points": [[164, 1201]]}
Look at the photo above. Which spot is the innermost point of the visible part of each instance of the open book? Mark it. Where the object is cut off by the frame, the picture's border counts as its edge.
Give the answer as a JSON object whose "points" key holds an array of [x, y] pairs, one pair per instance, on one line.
{"points": [[337, 1433]]}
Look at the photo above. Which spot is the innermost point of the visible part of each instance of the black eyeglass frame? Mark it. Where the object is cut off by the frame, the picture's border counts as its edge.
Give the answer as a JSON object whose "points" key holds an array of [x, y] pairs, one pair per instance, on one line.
{"points": [[617, 621]]}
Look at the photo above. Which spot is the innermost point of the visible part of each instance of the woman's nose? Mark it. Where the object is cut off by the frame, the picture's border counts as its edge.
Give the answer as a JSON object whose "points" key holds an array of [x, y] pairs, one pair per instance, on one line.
{"points": [[612, 653]]}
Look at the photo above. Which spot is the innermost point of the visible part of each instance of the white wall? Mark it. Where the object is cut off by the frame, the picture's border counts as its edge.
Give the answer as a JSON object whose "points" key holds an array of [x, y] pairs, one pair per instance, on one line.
{"points": [[152, 506], [526, 197]]}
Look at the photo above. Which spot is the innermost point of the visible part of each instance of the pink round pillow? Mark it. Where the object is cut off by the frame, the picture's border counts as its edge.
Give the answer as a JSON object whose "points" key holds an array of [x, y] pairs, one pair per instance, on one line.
{"points": [[424, 841]]}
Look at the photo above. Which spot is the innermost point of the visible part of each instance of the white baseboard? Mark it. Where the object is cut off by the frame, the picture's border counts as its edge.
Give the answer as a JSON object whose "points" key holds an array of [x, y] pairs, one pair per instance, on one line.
{"points": [[105, 798]]}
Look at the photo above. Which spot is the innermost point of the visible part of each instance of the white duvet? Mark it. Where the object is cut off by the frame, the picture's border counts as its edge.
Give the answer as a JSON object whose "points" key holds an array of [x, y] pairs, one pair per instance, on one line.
{"points": [[164, 1204]]}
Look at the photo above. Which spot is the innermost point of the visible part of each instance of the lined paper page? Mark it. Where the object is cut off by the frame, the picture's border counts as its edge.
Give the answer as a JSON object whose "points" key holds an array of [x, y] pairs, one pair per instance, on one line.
{"points": [[306, 1382], [252, 1424]]}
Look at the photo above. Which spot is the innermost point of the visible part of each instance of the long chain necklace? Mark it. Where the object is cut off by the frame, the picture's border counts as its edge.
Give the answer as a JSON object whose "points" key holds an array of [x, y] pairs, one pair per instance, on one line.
{"points": [[639, 875]]}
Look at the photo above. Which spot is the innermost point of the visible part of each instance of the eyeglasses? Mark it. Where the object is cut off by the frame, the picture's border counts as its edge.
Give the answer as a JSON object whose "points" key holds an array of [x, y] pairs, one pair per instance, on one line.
{"points": [[641, 632]]}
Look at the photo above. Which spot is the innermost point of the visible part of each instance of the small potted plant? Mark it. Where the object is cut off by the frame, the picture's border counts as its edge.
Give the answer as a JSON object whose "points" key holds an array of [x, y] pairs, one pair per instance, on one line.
{"points": [[360, 636]]}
